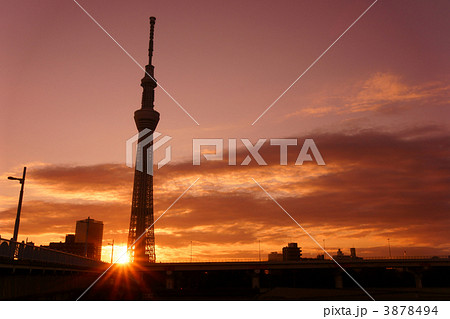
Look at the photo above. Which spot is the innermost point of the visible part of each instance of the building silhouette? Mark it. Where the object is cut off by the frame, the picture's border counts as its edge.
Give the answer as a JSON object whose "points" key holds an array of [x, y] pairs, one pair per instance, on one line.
{"points": [[69, 246], [275, 256], [89, 231], [141, 237], [292, 252], [86, 242], [340, 255]]}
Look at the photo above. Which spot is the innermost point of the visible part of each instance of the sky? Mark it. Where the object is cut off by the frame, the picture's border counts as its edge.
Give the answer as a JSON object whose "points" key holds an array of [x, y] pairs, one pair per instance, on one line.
{"points": [[376, 105]]}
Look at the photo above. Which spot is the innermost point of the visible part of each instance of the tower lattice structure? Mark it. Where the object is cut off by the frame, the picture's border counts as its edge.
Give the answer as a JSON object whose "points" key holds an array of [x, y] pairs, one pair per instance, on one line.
{"points": [[142, 248]]}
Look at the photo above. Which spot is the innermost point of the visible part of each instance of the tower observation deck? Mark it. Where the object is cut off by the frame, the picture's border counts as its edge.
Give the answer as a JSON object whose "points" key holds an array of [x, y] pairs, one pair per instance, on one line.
{"points": [[141, 237]]}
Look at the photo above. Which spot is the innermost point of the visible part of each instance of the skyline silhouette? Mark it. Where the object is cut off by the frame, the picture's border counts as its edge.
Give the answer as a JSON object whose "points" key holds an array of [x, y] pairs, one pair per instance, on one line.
{"points": [[376, 106]]}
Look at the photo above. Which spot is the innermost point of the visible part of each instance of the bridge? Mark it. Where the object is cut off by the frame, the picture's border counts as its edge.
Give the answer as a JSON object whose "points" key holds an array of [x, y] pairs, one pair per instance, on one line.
{"points": [[37, 273], [261, 271], [368, 262], [28, 272], [395, 278], [20, 254]]}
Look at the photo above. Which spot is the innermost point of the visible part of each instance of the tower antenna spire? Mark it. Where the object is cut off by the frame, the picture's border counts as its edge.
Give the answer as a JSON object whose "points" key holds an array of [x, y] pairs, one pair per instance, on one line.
{"points": [[150, 46]]}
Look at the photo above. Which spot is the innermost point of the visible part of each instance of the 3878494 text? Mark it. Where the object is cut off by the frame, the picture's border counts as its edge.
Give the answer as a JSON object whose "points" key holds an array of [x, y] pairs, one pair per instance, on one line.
{"points": [[358, 312]]}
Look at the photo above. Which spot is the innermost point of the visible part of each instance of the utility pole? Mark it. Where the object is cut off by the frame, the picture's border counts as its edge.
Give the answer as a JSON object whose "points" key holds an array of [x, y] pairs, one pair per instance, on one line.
{"points": [[112, 251], [191, 250], [259, 250], [19, 207], [87, 236], [389, 245]]}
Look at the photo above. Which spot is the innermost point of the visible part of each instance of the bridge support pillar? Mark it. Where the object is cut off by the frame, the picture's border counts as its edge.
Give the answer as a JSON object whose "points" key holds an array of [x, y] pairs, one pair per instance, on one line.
{"points": [[255, 279], [418, 279], [338, 280], [170, 282], [418, 274]]}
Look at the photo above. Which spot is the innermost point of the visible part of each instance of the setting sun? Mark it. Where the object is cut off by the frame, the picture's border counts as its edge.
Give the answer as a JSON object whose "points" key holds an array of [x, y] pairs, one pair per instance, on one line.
{"points": [[120, 255]]}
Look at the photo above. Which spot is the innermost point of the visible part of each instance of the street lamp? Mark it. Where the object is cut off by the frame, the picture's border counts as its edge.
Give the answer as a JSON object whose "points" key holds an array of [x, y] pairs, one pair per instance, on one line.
{"points": [[19, 207], [112, 251]]}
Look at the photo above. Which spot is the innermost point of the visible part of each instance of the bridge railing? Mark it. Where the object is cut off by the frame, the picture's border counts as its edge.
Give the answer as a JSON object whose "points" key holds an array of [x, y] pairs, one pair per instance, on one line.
{"points": [[304, 260], [407, 257], [213, 260], [26, 252]]}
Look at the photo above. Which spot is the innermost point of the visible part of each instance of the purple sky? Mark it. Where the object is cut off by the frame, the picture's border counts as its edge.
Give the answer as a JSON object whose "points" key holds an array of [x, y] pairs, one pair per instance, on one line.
{"points": [[382, 92]]}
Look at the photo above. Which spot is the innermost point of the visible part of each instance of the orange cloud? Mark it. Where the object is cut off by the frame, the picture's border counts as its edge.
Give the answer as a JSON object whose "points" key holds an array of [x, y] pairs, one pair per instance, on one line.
{"points": [[382, 92], [375, 186]]}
